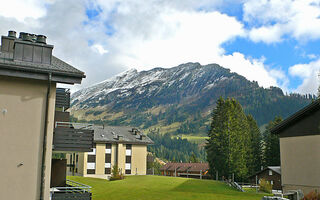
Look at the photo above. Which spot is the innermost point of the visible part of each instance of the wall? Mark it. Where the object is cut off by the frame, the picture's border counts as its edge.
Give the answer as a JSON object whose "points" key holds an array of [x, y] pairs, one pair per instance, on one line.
{"points": [[275, 177], [21, 129], [121, 157], [300, 163], [139, 160]]}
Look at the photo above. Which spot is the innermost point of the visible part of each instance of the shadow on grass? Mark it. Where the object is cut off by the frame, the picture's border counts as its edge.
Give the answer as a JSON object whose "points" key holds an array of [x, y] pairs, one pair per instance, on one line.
{"points": [[204, 186]]}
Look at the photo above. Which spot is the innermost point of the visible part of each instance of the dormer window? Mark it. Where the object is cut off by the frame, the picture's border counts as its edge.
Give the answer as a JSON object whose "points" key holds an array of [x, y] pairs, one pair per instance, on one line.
{"points": [[270, 172]]}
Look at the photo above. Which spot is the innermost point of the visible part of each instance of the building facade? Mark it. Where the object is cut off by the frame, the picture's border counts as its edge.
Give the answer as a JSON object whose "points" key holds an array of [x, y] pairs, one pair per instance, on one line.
{"points": [[124, 147], [299, 149], [28, 77], [272, 174]]}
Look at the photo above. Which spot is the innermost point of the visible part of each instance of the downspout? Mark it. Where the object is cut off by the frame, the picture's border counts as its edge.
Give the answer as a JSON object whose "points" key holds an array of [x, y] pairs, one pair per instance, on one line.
{"points": [[45, 132]]}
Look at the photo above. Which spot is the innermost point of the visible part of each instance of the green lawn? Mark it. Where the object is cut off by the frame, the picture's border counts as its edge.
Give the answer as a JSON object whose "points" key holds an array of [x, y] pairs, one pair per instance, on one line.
{"points": [[160, 187]]}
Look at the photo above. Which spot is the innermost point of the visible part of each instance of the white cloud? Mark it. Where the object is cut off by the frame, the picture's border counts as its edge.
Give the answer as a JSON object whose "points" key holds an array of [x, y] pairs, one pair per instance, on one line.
{"points": [[22, 10], [252, 69], [144, 34], [273, 19], [309, 73], [99, 49]]}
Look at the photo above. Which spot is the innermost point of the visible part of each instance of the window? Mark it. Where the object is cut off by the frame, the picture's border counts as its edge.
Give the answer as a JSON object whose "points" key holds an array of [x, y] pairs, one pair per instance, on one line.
{"points": [[91, 171], [128, 146], [107, 165], [128, 171], [271, 182], [108, 148], [108, 158], [107, 171], [128, 159], [91, 158], [270, 172]]}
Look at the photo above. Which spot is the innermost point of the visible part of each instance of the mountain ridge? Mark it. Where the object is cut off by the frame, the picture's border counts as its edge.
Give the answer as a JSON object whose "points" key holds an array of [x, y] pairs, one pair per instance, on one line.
{"points": [[180, 98]]}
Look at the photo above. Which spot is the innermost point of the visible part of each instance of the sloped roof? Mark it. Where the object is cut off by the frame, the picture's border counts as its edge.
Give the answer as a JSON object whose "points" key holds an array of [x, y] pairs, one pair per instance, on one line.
{"points": [[109, 134], [61, 71], [276, 169], [296, 117]]}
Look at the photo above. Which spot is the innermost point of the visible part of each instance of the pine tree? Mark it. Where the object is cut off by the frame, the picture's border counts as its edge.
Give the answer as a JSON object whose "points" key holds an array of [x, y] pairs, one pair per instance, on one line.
{"points": [[227, 147], [272, 146], [255, 154]]}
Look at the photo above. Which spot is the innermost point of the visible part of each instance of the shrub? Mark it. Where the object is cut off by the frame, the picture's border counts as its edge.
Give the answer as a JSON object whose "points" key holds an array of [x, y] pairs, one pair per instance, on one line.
{"points": [[115, 174], [265, 186], [313, 195]]}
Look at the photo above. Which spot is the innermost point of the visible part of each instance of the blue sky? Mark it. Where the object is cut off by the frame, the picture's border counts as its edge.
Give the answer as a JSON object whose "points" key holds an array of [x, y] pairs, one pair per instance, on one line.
{"points": [[273, 42]]}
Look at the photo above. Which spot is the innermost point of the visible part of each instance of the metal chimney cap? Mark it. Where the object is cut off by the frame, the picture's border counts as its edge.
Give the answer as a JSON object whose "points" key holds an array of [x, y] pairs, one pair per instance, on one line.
{"points": [[33, 37], [41, 39], [12, 34], [25, 36]]}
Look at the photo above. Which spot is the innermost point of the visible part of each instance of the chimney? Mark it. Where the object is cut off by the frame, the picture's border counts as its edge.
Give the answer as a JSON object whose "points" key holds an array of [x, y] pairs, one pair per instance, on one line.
{"points": [[32, 48], [120, 137], [142, 137], [7, 42]]}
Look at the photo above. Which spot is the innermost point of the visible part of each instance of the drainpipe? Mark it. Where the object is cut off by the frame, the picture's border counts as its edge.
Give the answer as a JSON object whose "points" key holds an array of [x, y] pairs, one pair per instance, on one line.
{"points": [[44, 146]]}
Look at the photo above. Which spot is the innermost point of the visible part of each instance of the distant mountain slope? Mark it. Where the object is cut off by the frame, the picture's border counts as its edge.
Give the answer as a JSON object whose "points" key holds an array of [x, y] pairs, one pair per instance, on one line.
{"points": [[178, 100]]}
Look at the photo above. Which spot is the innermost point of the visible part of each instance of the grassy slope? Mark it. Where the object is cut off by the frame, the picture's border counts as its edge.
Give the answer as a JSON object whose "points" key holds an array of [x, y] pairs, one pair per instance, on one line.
{"points": [[159, 187]]}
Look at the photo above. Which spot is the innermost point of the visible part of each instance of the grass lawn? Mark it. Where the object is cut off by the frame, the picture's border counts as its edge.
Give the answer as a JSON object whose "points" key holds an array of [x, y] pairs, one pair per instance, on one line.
{"points": [[161, 187], [195, 138]]}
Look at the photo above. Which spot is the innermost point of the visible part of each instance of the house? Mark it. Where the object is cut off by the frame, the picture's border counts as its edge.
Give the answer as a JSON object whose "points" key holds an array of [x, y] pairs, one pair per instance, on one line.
{"points": [[125, 147], [272, 174], [29, 74], [299, 149], [189, 170]]}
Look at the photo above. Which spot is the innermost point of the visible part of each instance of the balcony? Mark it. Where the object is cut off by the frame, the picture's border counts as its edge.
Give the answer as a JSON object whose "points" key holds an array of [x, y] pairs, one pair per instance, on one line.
{"points": [[72, 190], [73, 137], [63, 98]]}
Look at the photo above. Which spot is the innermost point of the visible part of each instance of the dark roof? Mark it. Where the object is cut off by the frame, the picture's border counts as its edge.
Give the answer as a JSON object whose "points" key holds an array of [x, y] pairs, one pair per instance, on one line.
{"points": [[276, 169], [296, 117], [61, 71], [183, 167], [109, 134]]}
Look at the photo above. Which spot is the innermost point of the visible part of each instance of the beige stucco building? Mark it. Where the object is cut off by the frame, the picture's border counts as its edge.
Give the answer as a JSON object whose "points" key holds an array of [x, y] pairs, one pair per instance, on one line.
{"points": [[122, 146], [299, 149], [28, 77]]}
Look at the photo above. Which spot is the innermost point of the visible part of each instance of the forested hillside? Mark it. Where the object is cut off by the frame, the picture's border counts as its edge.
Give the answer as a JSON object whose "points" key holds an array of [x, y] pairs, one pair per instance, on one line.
{"points": [[178, 100]]}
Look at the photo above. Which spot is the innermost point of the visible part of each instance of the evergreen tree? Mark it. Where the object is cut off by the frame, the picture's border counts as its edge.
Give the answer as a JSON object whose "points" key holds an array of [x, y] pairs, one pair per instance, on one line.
{"points": [[255, 155], [227, 147], [193, 158], [272, 146]]}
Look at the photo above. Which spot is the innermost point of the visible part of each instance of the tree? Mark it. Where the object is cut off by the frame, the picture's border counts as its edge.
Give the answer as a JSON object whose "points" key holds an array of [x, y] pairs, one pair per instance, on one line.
{"points": [[272, 146], [193, 158], [255, 154], [227, 147]]}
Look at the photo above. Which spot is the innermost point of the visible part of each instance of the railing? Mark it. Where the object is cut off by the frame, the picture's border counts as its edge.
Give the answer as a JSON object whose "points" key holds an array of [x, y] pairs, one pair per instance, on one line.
{"points": [[63, 98], [72, 190], [73, 137]]}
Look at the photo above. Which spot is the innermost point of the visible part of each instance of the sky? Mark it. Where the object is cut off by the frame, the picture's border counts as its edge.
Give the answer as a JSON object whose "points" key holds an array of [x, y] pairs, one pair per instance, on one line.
{"points": [[273, 42]]}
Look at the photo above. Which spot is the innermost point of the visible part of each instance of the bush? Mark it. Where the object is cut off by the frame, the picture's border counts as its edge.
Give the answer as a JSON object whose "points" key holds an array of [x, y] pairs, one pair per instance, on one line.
{"points": [[313, 195], [265, 186], [115, 174]]}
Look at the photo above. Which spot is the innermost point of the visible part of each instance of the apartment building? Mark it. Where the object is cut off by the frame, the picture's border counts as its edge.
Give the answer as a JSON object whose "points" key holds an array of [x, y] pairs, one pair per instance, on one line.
{"points": [[29, 74], [125, 147], [299, 149]]}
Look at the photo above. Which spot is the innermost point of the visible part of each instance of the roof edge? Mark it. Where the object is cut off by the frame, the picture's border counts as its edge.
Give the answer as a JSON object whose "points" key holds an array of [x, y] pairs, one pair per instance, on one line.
{"points": [[314, 106]]}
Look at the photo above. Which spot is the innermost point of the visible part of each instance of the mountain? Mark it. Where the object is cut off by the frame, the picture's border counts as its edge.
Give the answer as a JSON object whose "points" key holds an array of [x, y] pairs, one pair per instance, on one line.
{"points": [[178, 100]]}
